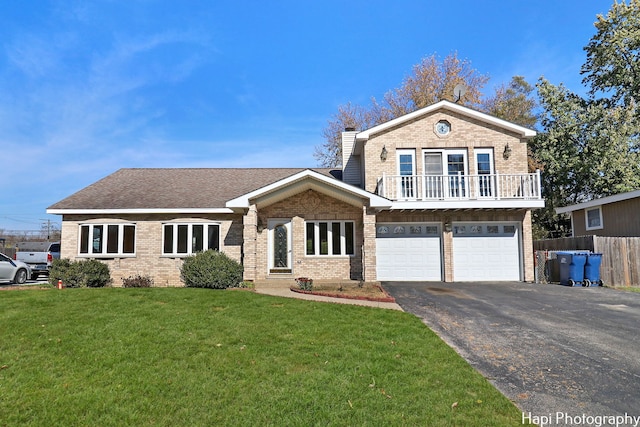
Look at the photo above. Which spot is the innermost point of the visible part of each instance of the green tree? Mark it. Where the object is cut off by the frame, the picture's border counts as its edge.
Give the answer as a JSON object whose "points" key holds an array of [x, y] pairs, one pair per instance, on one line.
{"points": [[586, 150], [613, 54], [589, 147]]}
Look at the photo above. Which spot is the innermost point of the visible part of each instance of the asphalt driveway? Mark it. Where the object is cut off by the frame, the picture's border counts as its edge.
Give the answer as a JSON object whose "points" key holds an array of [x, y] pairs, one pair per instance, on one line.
{"points": [[549, 348]]}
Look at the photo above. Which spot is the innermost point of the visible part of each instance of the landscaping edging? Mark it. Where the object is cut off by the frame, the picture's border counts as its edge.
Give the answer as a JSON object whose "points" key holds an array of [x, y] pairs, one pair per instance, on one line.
{"points": [[388, 297]]}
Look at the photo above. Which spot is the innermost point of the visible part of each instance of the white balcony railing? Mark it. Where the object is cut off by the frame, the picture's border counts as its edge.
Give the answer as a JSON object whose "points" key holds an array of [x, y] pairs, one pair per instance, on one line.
{"points": [[460, 187]]}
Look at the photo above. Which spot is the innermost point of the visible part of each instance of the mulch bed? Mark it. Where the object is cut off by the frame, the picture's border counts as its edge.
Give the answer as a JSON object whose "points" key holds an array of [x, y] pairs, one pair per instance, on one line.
{"points": [[386, 298]]}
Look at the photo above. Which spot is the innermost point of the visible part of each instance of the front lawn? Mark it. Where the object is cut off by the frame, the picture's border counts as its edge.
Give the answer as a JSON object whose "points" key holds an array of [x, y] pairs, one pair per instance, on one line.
{"points": [[197, 357]]}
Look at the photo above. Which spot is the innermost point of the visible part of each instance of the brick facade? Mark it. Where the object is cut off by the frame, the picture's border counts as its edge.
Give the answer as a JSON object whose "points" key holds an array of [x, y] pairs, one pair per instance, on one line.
{"points": [[419, 134], [245, 235], [309, 205], [148, 259]]}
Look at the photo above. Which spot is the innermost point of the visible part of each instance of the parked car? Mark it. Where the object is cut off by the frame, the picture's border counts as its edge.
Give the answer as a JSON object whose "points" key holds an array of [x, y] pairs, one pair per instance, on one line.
{"points": [[39, 256], [14, 271]]}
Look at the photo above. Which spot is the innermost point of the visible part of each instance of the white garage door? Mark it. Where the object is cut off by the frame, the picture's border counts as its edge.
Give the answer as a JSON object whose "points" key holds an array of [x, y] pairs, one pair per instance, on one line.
{"points": [[408, 252], [486, 252]]}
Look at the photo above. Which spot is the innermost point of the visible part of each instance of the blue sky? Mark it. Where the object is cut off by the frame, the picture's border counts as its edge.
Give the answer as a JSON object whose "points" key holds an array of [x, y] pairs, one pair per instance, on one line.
{"points": [[89, 87]]}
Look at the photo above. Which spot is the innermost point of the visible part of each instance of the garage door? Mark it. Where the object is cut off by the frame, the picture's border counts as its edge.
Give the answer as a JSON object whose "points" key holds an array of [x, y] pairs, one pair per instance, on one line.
{"points": [[486, 252], [408, 252]]}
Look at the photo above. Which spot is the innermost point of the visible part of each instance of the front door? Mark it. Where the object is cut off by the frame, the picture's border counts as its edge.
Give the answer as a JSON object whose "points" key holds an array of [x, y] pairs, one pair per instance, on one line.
{"points": [[279, 246]]}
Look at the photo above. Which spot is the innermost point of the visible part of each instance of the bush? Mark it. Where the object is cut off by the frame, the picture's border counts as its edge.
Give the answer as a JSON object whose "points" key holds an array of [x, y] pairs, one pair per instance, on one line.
{"points": [[137, 281], [210, 269], [60, 270], [88, 273], [305, 283]]}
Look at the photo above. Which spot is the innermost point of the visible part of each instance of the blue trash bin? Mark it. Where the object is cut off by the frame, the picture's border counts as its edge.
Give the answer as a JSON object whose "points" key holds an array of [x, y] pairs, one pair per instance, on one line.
{"points": [[592, 270], [572, 268]]}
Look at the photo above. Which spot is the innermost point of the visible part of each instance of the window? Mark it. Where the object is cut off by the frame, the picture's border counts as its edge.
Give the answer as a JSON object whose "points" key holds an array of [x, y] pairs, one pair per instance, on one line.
{"points": [[593, 218], [336, 238], [433, 175], [187, 239], [107, 240], [445, 172], [406, 170], [484, 165]]}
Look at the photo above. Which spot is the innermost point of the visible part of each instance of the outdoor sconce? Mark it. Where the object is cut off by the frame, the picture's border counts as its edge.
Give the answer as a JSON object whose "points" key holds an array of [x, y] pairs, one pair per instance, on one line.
{"points": [[507, 152], [447, 226], [383, 154], [260, 226]]}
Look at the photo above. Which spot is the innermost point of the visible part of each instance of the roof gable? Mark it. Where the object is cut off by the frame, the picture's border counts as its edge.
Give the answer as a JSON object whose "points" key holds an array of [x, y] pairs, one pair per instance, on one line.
{"points": [[302, 181], [447, 105]]}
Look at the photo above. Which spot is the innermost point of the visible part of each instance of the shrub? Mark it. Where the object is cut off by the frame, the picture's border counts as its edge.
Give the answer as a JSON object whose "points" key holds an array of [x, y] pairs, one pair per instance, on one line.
{"points": [[60, 270], [88, 273], [305, 283], [94, 274], [210, 269], [137, 281]]}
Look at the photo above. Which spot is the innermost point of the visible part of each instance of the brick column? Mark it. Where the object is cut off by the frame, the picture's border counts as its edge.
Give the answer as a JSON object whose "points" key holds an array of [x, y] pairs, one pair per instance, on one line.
{"points": [[527, 248], [447, 246], [369, 246], [249, 245]]}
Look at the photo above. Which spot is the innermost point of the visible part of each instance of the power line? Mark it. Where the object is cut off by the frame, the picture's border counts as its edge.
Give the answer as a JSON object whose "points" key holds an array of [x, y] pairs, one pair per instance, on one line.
{"points": [[26, 221]]}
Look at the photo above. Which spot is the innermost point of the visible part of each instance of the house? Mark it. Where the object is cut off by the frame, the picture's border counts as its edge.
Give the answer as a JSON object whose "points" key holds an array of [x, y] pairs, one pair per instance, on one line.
{"points": [[440, 194], [612, 216]]}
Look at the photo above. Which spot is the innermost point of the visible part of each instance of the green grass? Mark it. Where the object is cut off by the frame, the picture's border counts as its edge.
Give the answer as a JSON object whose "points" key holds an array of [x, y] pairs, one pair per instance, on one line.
{"points": [[196, 357]]}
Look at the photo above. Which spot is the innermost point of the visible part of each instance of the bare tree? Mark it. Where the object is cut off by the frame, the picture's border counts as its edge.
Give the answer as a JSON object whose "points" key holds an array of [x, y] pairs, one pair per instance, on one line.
{"points": [[429, 82]]}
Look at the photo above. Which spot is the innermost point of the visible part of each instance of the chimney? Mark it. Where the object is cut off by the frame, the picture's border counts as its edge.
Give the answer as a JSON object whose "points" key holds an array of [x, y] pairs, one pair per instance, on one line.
{"points": [[351, 169]]}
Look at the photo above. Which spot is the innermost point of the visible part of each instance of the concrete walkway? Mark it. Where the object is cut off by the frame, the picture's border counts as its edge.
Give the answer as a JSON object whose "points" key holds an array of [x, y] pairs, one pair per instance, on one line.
{"points": [[280, 288]]}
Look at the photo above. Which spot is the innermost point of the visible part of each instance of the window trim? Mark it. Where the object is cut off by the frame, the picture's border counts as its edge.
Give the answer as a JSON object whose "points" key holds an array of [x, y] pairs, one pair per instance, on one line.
{"points": [[189, 249], [586, 218], [105, 240], [406, 152], [488, 151], [486, 184], [344, 243], [407, 184], [445, 160]]}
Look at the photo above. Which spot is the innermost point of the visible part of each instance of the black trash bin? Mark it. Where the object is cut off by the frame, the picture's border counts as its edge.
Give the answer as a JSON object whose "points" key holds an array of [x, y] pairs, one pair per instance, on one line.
{"points": [[572, 268]]}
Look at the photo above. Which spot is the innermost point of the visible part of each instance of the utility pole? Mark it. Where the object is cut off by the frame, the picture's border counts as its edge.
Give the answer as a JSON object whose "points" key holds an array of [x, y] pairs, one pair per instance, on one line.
{"points": [[48, 228]]}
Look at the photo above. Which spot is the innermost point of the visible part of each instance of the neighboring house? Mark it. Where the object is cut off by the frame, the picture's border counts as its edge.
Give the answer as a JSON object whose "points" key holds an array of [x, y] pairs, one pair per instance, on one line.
{"points": [[442, 193], [612, 216]]}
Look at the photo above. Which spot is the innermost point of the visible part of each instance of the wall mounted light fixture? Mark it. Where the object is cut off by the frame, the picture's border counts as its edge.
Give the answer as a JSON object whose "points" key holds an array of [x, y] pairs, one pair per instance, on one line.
{"points": [[260, 226], [507, 152], [383, 154], [447, 226]]}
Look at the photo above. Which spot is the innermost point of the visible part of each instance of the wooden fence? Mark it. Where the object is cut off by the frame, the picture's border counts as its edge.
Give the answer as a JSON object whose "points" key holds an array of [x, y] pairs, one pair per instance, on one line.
{"points": [[620, 255]]}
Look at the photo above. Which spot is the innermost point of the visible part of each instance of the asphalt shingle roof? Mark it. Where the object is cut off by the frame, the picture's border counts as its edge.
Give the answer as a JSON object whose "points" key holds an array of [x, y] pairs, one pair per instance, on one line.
{"points": [[174, 188]]}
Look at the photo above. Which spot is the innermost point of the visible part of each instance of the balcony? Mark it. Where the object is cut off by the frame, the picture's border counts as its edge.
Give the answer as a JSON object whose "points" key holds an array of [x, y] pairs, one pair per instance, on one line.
{"points": [[472, 191]]}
